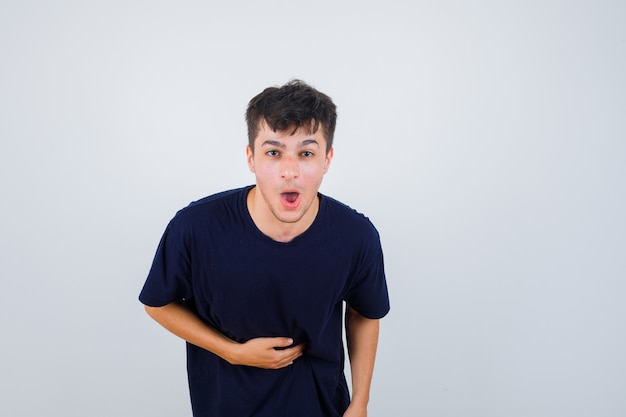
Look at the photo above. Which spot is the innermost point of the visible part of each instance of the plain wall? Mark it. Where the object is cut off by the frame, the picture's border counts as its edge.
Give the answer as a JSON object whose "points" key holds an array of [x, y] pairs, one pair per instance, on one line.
{"points": [[486, 140]]}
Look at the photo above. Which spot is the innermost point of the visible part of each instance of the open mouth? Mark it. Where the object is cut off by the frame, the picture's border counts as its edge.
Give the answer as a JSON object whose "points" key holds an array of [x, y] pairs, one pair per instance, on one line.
{"points": [[290, 197]]}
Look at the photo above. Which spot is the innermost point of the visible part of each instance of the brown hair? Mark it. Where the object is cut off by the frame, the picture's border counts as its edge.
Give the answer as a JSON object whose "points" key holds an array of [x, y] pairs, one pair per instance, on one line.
{"points": [[295, 105]]}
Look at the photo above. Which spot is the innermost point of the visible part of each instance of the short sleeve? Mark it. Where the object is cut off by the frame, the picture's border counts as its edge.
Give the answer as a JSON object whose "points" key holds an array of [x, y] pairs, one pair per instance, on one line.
{"points": [[368, 292], [169, 277]]}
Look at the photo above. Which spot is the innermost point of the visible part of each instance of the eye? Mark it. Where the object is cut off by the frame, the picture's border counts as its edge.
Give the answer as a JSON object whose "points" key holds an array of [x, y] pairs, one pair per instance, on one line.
{"points": [[272, 153], [307, 154]]}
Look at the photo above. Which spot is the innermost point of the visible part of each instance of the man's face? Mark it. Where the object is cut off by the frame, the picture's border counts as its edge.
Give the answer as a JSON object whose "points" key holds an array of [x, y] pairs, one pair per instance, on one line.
{"points": [[289, 169]]}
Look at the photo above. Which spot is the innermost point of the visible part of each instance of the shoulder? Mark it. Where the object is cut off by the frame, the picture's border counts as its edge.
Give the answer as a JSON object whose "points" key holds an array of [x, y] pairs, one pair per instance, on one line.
{"points": [[347, 219], [215, 207]]}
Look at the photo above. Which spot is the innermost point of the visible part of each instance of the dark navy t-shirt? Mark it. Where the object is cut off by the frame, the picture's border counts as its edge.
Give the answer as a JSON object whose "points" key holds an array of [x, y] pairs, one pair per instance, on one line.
{"points": [[246, 285]]}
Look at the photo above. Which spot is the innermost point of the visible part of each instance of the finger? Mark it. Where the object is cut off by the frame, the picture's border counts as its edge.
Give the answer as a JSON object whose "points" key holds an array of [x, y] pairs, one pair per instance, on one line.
{"points": [[297, 348], [282, 342], [294, 353]]}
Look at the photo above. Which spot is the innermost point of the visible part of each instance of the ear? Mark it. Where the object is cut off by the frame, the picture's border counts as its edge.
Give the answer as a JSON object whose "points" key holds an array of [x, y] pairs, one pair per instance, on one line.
{"points": [[250, 158], [329, 157]]}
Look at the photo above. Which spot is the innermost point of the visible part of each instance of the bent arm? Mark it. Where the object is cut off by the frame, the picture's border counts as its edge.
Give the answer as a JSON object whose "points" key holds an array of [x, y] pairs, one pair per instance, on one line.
{"points": [[259, 352], [362, 341]]}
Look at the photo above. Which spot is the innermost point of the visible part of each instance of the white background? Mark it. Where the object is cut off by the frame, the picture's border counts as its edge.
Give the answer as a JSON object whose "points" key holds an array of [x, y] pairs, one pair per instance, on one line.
{"points": [[486, 140]]}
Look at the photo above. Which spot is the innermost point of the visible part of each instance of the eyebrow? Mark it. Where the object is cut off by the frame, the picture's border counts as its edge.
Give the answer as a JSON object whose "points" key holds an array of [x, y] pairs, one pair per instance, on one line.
{"points": [[283, 146]]}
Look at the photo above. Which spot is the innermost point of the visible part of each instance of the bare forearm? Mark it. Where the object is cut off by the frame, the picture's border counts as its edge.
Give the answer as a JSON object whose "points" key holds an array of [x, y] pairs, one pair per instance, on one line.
{"points": [[259, 352], [186, 325], [362, 341]]}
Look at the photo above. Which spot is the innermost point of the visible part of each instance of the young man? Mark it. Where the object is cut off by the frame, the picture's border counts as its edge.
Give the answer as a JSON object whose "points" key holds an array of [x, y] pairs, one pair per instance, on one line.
{"points": [[254, 279]]}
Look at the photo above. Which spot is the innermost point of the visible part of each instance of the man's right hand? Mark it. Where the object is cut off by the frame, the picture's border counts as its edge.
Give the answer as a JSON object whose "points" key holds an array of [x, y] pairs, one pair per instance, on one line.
{"points": [[266, 352]]}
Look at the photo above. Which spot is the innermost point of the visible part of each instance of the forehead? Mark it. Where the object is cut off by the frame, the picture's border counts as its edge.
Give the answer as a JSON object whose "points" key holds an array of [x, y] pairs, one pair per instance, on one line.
{"points": [[292, 134]]}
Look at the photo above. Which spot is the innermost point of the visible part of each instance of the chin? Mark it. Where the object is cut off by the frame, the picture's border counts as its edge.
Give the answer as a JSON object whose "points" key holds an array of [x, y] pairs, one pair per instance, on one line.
{"points": [[290, 219]]}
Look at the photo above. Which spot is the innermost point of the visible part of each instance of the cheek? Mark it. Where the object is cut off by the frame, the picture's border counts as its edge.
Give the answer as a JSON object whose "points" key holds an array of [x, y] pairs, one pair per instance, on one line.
{"points": [[265, 172], [312, 172]]}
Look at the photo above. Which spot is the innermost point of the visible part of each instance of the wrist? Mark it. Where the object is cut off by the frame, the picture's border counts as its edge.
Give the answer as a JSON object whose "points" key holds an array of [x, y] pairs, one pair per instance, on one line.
{"points": [[227, 349], [232, 353], [360, 400]]}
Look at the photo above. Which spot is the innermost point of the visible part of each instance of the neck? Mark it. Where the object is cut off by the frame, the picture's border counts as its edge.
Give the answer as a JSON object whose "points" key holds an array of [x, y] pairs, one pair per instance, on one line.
{"points": [[271, 226]]}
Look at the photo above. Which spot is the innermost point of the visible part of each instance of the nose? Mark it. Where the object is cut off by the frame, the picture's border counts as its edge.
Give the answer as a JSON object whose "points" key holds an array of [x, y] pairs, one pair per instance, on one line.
{"points": [[289, 168]]}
